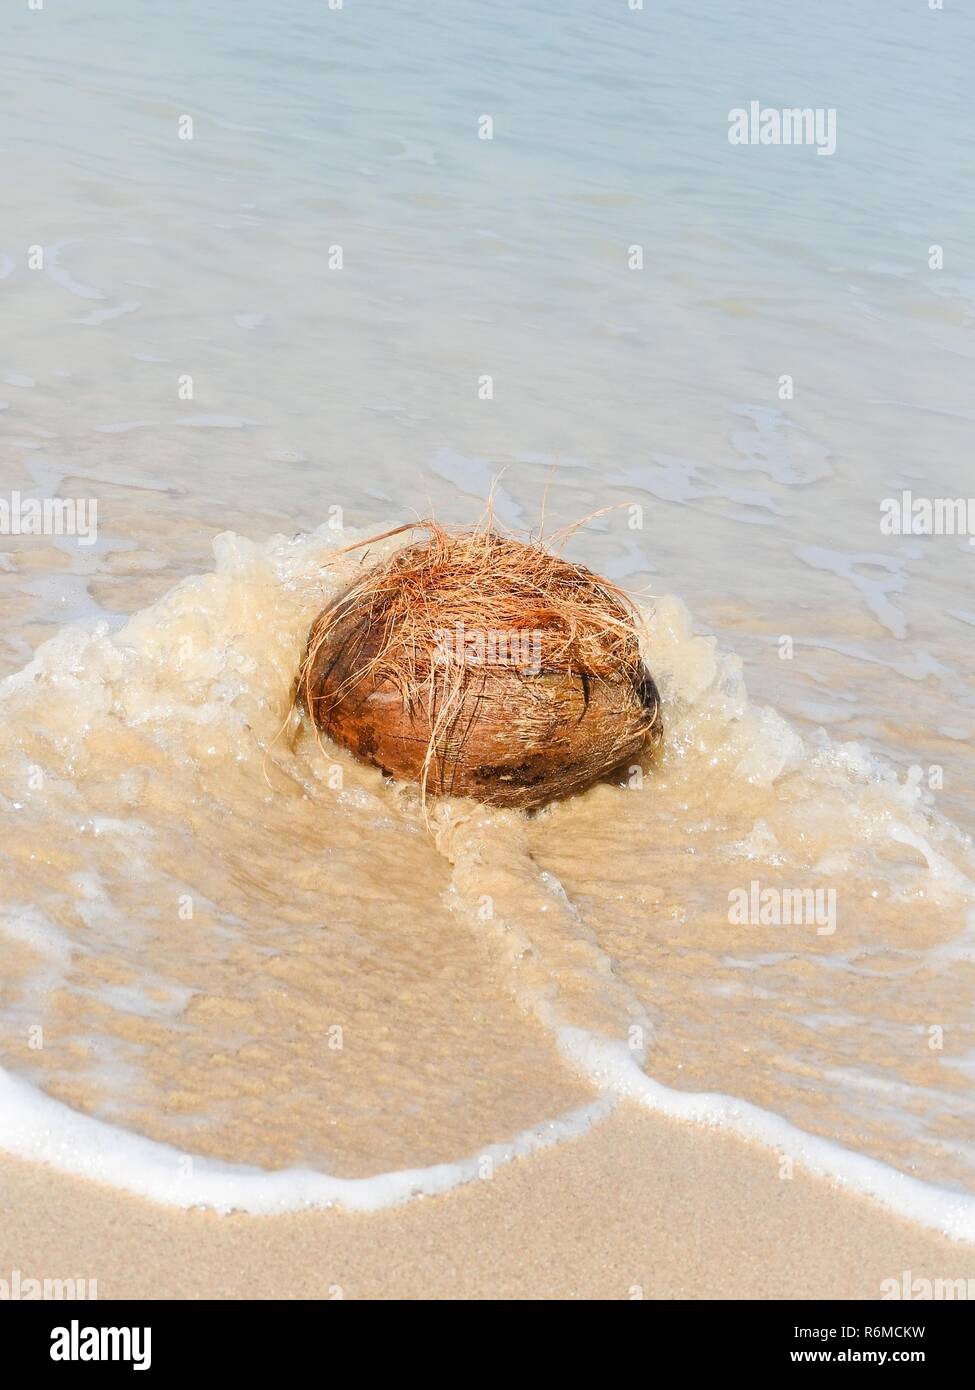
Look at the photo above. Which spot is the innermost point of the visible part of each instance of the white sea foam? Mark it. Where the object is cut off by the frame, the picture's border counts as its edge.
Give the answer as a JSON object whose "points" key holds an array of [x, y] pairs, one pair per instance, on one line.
{"points": [[231, 682], [35, 1126], [615, 1067]]}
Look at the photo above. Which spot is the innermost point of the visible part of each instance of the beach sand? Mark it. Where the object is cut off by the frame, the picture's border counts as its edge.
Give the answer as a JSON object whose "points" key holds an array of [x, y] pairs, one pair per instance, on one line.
{"points": [[640, 1206]]}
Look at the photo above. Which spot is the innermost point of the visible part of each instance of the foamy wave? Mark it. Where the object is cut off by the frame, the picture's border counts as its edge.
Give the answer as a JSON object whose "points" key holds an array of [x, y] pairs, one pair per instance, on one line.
{"points": [[561, 977], [208, 670], [613, 1069], [34, 1126]]}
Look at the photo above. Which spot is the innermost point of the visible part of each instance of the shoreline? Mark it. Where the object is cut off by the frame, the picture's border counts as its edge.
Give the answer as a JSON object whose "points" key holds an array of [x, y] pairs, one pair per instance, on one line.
{"points": [[639, 1206]]}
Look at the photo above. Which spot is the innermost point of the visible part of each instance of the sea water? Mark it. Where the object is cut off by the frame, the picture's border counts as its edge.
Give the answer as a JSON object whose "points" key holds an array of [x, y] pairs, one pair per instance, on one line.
{"points": [[273, 281]]}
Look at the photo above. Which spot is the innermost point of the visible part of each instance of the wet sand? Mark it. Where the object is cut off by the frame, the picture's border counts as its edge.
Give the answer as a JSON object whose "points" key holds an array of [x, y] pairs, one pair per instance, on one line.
{"points": [[638, 1207]]}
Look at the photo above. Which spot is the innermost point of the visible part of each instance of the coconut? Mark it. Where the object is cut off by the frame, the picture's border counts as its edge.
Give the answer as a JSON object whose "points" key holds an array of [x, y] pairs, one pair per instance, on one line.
{"points": [[483, 666]]}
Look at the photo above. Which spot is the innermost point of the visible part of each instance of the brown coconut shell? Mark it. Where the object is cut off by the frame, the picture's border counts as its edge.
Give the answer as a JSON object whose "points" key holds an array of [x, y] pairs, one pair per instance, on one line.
{"points": [[502, 733]]}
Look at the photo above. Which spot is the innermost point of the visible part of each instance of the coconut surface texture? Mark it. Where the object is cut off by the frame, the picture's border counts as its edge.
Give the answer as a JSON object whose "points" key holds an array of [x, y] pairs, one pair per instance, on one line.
{"points": [[482, 666]]}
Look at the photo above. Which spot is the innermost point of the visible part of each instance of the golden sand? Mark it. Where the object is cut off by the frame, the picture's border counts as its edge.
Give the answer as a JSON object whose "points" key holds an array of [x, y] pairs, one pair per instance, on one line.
{"points": [[640, 1207]]}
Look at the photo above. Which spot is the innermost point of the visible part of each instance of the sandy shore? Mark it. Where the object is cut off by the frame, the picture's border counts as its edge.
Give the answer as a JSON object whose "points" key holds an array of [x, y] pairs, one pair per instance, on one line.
{"points": [[640, 1204]]}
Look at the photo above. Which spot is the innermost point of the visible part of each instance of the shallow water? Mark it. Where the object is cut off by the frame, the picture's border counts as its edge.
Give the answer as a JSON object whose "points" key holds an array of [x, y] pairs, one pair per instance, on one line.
{"points": [[228, 952]]}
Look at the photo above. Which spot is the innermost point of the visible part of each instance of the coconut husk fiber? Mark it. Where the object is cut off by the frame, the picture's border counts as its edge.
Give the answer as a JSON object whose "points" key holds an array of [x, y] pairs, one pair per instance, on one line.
{"points": [[479, 665]]}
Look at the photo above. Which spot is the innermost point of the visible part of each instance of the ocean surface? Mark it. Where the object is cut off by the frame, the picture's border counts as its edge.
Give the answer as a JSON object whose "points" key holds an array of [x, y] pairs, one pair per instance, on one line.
{"points": [[265, 289]]}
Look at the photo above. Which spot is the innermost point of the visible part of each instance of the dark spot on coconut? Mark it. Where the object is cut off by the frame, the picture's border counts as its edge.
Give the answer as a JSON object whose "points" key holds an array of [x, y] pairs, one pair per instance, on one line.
{"points": [[585, 693], [366, 744], [646, 688], [525, 774]]}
